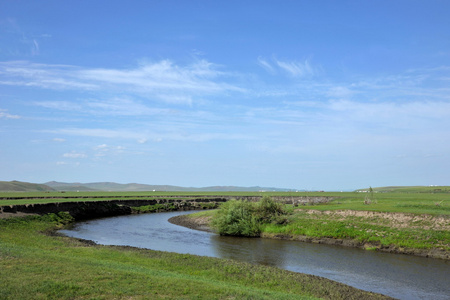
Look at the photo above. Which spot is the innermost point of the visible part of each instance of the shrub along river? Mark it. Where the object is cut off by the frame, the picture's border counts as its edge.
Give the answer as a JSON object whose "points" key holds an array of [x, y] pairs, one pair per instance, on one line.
{"points": [[399, 276]]}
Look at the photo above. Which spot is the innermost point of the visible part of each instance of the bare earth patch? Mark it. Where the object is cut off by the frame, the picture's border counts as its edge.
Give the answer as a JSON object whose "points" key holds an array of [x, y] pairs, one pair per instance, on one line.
{"points": [[198, 223], [396, 220], [5, 215]]}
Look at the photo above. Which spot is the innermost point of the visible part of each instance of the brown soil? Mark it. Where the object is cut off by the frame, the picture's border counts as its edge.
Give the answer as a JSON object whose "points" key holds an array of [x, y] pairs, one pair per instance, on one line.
{"points": [[201, 223], [397, 220], [5, 215]]}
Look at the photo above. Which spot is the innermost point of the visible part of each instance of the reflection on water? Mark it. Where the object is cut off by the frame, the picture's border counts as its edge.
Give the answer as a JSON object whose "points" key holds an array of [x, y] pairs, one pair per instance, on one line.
{"points": [[399, 276]]}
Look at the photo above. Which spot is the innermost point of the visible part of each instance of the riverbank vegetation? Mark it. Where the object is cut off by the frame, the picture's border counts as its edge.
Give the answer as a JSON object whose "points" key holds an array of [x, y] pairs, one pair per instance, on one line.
{"points": [[244, 218], [36, 263], [379, 224]]}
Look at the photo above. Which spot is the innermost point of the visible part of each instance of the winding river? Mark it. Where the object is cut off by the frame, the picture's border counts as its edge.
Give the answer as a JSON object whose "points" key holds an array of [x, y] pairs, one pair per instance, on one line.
{"points": [[399, 276]]}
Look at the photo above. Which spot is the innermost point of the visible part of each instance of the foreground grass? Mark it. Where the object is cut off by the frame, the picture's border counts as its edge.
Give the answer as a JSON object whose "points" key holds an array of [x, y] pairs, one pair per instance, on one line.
{"points": [[34, 264]]}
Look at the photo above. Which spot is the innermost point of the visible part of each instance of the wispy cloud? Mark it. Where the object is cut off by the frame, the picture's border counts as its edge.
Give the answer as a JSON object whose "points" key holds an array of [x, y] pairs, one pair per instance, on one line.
{"points": [[56, 77], [163, 80], [20, 42], [113, 106], [296, 69], [35, 47], [75, 154], [5, 115], [104, 150], [291, 67], [169, 132], [266, 65]]}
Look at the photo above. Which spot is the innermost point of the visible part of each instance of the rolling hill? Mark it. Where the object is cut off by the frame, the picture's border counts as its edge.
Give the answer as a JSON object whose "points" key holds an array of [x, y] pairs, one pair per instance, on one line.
{"points": [[19, 186], [137, 187]]}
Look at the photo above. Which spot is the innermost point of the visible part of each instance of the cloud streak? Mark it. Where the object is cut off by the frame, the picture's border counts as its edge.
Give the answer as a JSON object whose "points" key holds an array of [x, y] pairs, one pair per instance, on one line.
{"points": [[163, 80], [5, 115], [298, 69]]}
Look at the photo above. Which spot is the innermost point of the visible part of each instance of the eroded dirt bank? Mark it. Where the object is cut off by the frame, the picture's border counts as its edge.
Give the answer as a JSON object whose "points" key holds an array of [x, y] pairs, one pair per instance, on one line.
{"points": [[398, 219], [82, 210]]}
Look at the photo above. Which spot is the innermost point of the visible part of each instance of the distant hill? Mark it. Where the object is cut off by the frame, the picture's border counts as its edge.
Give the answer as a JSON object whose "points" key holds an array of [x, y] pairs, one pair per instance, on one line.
{"points": [[137, 187], [19, 186], [409, 189]]}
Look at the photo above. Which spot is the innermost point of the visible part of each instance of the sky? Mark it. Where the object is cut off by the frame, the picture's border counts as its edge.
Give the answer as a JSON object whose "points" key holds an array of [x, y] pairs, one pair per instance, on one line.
{"points": [[315, 95]]}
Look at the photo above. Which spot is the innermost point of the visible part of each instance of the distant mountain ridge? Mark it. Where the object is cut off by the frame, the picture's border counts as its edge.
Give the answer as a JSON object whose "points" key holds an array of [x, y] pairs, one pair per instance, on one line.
{"points": [[137, 187], [19, 186]]}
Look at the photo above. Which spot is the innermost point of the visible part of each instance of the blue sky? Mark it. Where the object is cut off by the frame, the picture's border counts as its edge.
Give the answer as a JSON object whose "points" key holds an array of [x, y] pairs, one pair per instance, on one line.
{"points": [[317, 95]]}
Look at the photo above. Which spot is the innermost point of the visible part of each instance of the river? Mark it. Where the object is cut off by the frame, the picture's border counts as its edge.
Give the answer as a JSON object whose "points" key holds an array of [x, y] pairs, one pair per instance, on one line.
{"points": [[395, 275]]}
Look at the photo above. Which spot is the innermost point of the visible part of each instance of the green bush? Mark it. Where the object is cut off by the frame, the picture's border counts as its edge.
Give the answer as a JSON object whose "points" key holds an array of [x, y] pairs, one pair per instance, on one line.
{"points": [[268, 210], [243, 218]]}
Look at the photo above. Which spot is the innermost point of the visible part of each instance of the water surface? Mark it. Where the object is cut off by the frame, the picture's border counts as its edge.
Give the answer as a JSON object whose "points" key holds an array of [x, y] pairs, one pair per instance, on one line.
{"points": [[399, 276]]}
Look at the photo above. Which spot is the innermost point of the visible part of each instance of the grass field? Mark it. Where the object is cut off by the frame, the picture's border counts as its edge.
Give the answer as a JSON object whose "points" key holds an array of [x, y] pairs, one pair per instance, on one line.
{"points": [[422, 201], [415, 223], [34, 264]]}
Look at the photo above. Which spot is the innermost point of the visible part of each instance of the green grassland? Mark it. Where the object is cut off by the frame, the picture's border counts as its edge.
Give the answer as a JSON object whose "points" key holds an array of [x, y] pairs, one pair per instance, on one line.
{"points": [[415, 203], [18, 186], [37, 264], [419, 202], [411, 189], [414, 223]]}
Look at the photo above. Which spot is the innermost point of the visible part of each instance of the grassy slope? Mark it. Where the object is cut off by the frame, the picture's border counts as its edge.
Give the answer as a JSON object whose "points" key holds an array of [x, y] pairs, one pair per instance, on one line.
{"points": [[34, 265], [18, 186]]}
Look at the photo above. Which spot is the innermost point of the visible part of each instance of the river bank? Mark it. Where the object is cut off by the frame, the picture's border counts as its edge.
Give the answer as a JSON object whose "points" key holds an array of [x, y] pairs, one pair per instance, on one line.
{"points": [[376, 231], [37, 264]]}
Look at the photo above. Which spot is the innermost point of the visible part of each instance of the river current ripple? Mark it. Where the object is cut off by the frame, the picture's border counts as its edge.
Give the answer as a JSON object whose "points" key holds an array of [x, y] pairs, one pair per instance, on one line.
{"points": [[395, 275]]}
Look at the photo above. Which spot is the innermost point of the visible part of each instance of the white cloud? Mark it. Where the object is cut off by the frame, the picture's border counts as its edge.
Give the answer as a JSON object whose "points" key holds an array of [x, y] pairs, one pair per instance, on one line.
{"points": [[5, 115], [296, 69], [114, 107], [163, 80], [57, 77], [266, 65], [35, 47], [293, 68], [59, 140], [99, 132], [340, 92], [75, 154], [59, 105], [104, 150], [119, 106], [175, 133], [162, 77], [65, 163]]}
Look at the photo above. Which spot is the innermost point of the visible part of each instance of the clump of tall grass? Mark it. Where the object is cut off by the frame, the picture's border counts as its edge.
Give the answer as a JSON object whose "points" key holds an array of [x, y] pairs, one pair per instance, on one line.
{"points": [[244, 218]]}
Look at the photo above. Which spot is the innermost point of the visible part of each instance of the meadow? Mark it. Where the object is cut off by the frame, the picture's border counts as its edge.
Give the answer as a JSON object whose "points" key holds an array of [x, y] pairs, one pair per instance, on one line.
{"points": [[416, 200], [411, 223], [35, 263]]}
